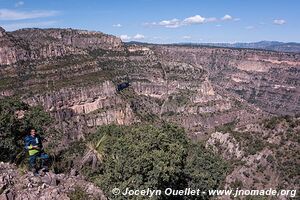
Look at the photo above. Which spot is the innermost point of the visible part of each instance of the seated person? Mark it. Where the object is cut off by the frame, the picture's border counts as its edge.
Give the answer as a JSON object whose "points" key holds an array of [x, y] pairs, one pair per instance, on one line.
{"points": [[33, 144]]}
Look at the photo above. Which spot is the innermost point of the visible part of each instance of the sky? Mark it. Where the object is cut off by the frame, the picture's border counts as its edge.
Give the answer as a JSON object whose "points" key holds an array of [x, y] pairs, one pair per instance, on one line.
{"points": [[162, 21]]}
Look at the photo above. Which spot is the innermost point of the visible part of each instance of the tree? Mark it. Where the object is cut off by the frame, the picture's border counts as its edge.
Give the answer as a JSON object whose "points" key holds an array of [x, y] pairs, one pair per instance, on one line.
{"points": [[204, 170], [96, 152], [15, 118], [10, 127]]}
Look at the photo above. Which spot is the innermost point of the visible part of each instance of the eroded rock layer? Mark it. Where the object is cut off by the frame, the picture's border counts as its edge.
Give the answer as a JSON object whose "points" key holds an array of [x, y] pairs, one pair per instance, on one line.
{"points": [[74, 74]]}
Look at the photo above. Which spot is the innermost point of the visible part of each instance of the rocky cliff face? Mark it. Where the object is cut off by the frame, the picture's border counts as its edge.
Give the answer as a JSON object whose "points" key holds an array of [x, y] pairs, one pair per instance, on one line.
{"points": [[74, 75], [264, 154], [69, 37], [34, 44], [78, 109], [268, 80], [11, 50]]}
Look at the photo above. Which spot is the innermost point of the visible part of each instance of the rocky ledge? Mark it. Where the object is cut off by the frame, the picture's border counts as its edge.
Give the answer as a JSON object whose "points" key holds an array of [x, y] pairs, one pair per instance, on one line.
{"points": [[22, 185]]}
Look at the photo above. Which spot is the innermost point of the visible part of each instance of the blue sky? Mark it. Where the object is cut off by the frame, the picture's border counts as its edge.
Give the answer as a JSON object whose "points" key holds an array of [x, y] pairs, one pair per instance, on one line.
{"points": [[162, 21]]}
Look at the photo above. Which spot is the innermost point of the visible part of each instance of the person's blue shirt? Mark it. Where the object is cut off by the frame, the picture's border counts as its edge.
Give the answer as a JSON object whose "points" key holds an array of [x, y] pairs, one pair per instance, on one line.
{"points": [[31, 141]]}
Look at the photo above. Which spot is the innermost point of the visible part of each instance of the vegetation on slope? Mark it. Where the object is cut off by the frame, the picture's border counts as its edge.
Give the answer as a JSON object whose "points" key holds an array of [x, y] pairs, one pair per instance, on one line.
{"points": [[277, 140], [144, 156], [15, 118]]}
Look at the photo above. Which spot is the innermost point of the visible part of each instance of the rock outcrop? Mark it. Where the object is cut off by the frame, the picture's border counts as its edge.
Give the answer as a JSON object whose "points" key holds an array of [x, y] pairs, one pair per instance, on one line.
{"points": [[36, 44], [17, 185], [69, 37], [224, 144], [11, 49], [264, 155]]}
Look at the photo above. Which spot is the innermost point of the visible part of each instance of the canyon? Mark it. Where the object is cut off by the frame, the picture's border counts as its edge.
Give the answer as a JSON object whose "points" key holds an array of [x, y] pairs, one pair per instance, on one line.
{"points": [[73, 75]]}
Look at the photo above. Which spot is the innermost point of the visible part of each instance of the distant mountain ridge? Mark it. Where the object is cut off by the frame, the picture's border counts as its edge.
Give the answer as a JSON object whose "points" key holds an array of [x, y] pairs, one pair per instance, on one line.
{"points": [[266, 45]]}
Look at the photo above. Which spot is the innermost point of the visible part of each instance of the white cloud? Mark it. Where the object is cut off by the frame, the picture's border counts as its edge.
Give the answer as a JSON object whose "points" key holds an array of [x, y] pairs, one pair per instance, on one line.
{"points": [[197, 19], [6, 14], [125, 37], [19, 3], [15, 26], [173, 23], [226, 17], [139, 37], [117, 25], [279, 21], [187, 37]]}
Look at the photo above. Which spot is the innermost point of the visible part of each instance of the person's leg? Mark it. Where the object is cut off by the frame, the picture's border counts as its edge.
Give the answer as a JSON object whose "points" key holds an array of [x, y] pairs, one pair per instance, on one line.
{"points": [[45, 159], [32, 164]]}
